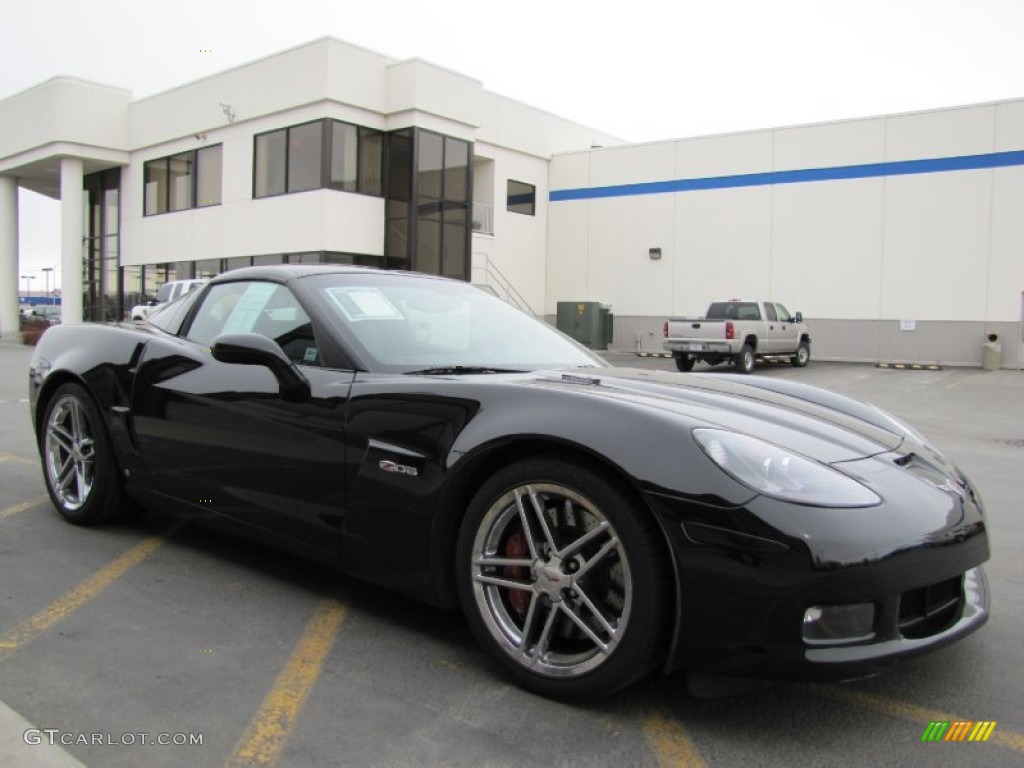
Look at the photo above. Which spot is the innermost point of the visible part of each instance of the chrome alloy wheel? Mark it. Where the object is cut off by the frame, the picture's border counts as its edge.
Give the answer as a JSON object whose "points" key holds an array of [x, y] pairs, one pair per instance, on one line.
{"points": [[551, 580], [70, 453]]}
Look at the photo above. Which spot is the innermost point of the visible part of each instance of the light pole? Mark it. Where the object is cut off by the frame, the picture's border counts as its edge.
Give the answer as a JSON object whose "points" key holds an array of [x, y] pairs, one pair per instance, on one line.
{"points": [[28, 287], [48, 270]]}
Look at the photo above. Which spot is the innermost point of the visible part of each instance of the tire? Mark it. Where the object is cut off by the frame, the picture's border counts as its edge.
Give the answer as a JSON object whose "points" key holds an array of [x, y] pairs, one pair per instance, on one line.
{"points": [[684, 362], [744, 361], [802, 356], [79, 469], [545, 524]]}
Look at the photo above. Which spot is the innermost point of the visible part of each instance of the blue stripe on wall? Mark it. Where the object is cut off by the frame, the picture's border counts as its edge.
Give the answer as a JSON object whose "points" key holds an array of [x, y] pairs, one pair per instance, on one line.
{"points": [[871, 170]]}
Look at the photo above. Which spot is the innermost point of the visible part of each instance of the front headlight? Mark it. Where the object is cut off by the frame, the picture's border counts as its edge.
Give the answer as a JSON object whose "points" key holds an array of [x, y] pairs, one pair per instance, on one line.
{"points": [[781, 474]]}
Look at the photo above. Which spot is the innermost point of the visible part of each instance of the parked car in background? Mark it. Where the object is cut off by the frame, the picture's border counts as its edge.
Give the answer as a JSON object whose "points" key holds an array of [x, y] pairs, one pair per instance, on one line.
{"points": [[169, 291], [50, 313], [738, 331]]}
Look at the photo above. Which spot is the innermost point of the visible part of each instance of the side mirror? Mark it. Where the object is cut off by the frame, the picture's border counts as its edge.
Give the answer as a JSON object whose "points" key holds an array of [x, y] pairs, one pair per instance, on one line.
{"points": [[799, 317], [151, 303], [256, 349]]}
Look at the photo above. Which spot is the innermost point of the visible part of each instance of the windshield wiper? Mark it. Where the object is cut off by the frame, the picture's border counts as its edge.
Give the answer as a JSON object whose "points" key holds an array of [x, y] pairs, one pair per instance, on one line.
{"points": [[457, 370]]}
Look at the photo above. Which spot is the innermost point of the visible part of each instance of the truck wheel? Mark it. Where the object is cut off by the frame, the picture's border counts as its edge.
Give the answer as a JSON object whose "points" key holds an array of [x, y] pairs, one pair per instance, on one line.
{"points": [[744, 361], [802, 356], [684, 362]]}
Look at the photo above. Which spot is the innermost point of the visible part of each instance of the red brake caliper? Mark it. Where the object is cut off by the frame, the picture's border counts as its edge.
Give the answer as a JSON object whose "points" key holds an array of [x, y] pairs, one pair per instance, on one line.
{"points": [[515, 546]]}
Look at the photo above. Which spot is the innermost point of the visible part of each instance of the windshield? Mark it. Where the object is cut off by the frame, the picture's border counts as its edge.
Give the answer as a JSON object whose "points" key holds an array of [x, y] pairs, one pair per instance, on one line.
{"points": [[407, 323]]}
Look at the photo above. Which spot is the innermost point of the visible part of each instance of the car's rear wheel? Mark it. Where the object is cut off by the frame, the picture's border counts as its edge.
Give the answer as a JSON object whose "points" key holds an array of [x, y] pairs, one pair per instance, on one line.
{"points": [[564, 578], [745, 359], [78, 464], [684, 362]]}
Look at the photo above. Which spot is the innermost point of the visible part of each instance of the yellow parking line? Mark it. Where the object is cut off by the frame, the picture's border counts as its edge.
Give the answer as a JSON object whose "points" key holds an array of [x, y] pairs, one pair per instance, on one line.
{"points": [[914, 713], [263, 741], [63, 607], [672, 745], [15, 457], [22, 507]]}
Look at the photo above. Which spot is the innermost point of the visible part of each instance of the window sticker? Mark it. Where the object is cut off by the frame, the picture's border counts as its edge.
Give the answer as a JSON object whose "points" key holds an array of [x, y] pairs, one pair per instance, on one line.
{"points": [[363, 303], [247, 309], [310, 355]]}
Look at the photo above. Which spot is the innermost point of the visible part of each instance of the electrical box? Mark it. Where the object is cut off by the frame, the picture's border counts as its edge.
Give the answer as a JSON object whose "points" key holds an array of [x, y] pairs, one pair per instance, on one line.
{"points": [[591, 323]]}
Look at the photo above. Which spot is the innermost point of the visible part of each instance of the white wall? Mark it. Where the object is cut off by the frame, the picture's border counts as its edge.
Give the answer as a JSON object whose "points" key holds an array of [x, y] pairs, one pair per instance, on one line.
{"points": [[929, 247]]}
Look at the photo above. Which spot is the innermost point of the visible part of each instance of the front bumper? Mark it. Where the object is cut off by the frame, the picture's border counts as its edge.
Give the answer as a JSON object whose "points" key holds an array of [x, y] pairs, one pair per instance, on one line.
{"points": [[743, 596], [699, 347]]}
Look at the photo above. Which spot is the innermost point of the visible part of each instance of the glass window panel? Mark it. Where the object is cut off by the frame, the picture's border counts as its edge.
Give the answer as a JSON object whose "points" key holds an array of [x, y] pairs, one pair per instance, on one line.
{"points": [[428, 246], [521, 197], [179, 174], [270, 163], [111, 210], [344, 156], [209, 170], [132, 289], [207, 268], [456, 170], [400, 166], [237, 262], [430, 164], [266, 259], [156, 186], [305, 148], [371, 162]]}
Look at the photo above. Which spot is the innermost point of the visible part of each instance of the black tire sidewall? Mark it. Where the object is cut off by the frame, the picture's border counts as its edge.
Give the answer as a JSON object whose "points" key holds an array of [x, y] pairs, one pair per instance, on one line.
{"points": [[643, 644], [806, 350], [104, 500], [684, 363], [746, 355]]}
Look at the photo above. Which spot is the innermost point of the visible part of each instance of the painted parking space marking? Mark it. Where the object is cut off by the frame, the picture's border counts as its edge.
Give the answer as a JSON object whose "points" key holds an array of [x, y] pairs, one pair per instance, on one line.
{"points": [[263, 741], [671, 744], [15, 457], [22, 507], [914, 713], [28, 630]]}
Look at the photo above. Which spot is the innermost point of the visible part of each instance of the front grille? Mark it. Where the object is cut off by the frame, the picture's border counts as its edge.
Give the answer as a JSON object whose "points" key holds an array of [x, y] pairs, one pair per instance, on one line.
{"points": [[929, 610]]}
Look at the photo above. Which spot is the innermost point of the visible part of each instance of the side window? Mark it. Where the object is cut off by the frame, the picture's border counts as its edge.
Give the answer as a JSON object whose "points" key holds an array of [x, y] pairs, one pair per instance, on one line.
{"points": [[784, 314], [256, 307], [769, 311]]}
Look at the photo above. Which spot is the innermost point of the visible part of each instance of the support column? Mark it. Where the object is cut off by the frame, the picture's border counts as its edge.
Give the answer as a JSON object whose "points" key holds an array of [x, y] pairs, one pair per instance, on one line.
{"points": [[71, 231], [8, 257]]}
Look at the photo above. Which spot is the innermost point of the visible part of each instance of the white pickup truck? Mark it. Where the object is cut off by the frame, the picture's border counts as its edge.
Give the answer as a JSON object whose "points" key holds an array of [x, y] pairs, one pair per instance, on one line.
{"points": [[738, 331]]}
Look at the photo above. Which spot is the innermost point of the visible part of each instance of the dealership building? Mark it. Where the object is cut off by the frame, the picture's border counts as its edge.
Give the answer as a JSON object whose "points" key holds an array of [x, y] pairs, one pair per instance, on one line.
{"points": [[899, 237]]}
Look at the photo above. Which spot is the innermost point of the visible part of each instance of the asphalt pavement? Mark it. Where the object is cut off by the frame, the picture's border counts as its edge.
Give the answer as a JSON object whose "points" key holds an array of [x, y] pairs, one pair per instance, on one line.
{"points": [[115, 639]]}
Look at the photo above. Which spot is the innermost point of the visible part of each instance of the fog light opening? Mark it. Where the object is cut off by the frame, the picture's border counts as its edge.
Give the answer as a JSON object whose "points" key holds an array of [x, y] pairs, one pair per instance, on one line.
{"points": [[835, 624]]}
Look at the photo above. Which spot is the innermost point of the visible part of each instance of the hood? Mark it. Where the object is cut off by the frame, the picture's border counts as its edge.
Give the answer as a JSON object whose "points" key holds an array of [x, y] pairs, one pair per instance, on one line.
{"points": [[813, 422]]}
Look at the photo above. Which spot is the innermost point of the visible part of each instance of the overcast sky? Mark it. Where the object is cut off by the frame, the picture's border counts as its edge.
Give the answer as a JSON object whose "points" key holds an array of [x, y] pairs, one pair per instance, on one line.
{"points": [[642, 70]]}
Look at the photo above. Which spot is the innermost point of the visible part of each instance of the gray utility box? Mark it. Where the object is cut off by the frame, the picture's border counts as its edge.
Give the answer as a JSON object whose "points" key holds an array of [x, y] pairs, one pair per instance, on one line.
{"points": [[591, 323], [992, 353]]}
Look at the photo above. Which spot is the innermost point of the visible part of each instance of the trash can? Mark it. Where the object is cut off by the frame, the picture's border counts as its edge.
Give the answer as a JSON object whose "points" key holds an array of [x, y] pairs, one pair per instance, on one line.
{"points": [[992, 353]]}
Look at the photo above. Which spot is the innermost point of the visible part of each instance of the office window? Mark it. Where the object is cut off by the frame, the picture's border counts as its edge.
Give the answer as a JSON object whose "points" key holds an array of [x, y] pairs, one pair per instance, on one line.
{"points": [[522, 197], [209, 170], [305, 152], [344, 156], [186, 180], [271, 161], [321, 154]]}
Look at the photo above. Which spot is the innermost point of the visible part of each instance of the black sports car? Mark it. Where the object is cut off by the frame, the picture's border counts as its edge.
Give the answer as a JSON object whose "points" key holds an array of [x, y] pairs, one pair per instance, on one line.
{"points": [[593, 523]]}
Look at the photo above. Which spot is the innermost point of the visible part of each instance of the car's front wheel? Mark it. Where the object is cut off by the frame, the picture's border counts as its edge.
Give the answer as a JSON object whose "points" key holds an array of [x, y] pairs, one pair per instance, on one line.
{"points": [[78, 465], [802, 356], [564, 577]]}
